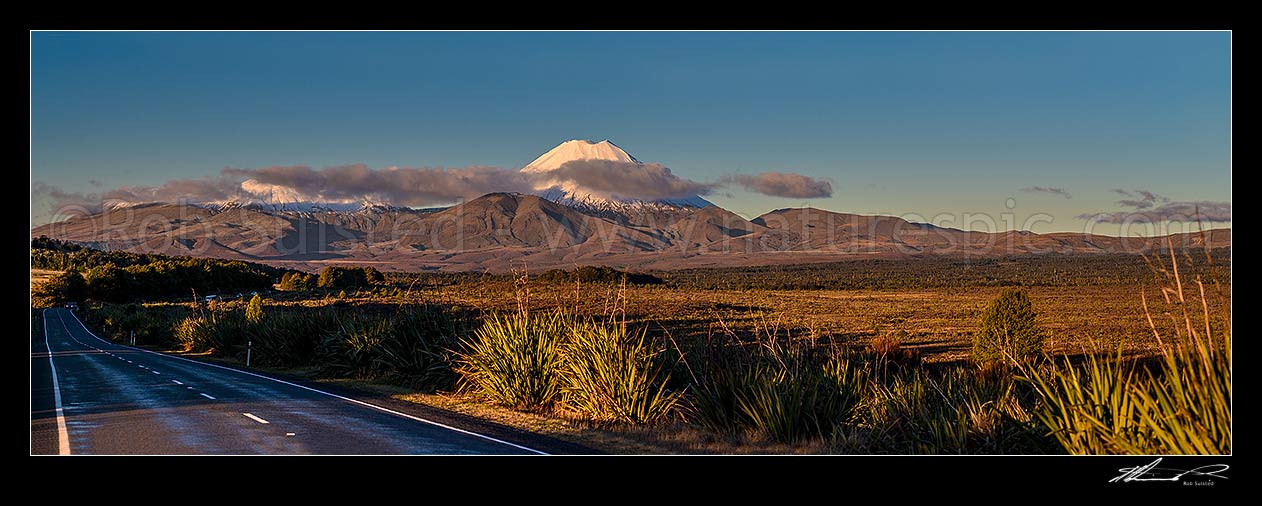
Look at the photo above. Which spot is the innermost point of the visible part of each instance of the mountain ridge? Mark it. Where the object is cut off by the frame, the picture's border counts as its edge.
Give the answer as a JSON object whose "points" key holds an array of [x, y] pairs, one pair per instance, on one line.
{"points": [[499, 231]]}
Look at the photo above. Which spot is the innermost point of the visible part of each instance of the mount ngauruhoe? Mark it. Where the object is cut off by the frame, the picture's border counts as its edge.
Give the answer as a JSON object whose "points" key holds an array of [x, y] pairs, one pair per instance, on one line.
{"points": [[561, 226]]}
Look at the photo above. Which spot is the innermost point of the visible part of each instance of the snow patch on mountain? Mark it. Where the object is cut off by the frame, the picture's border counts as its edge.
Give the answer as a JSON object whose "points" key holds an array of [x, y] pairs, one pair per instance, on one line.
{"points": [[578, 149]]}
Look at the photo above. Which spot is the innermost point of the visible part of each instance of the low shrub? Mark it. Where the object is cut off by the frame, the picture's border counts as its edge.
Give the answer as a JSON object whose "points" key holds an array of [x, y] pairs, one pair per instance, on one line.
{"points": [[1007, 331]]}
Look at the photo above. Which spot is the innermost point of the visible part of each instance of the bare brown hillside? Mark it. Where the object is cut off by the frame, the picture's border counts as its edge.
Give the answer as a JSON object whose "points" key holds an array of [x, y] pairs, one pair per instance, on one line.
{"points": [[500, 231]]}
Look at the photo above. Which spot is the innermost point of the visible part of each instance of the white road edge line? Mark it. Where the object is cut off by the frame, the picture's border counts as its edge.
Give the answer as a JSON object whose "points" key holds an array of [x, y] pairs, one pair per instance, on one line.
{"points": [[348, 399], [63, 435], [206, 396], [255, 418]]}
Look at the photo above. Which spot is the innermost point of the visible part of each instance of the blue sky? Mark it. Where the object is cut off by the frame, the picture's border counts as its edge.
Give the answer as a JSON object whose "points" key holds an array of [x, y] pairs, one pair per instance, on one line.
{"points": [[923, 122]]}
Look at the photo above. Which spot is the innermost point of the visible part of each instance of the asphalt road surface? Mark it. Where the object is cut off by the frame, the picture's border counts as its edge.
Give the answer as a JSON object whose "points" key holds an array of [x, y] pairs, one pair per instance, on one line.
{"points": [[91, 396]]}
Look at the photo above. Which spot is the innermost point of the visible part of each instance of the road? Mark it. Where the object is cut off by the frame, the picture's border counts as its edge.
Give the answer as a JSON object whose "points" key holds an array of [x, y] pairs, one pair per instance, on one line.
{"points": [[91, 396]]}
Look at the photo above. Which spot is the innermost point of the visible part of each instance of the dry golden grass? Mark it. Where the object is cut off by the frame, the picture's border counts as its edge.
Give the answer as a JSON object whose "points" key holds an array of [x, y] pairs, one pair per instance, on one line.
{"points": [[938, 322], [670, 438], [39, 276]]}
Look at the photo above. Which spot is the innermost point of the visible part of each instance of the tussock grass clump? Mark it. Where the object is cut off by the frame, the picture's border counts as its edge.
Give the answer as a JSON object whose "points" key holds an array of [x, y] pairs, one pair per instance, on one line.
{"points": [[409, 346], [1007, 331], [289, 337], [615, 375], [800, 400], [1181, 405], [152, 325], [412, 348], [875, 399], [219, 331], [517, 360], [1110, 406], [1089, 408], [777, 387], [254, 310], [888, 348], [194, 333], [536, 361], [956, 410], [350, 348]]}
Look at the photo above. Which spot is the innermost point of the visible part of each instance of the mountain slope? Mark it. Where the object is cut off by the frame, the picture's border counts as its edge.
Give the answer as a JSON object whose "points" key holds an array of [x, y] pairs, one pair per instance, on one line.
{"points": [[501, 231], [808, 229]]}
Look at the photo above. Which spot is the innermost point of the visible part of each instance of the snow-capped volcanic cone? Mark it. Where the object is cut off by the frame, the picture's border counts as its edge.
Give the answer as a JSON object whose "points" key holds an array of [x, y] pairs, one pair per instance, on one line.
{"points": [[567, 192], [578, 150]]}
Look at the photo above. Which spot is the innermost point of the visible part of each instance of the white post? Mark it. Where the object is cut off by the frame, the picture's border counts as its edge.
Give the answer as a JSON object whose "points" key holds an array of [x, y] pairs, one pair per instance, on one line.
{"points": [[133, 338], [249, 347]]}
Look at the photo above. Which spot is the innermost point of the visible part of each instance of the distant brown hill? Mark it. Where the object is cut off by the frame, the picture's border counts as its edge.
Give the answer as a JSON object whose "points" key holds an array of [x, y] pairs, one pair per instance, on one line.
{"points": [[501, 231]]}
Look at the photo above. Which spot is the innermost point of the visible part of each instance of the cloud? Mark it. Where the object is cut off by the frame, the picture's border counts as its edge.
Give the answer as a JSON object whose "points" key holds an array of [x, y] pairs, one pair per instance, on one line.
{"points": [[419, 187], [1137, 204], [1152, 208], [393, 185], [63, 203], [178, 190], [647, 181], [1047, 189], [1140, 199], [782, 184]]}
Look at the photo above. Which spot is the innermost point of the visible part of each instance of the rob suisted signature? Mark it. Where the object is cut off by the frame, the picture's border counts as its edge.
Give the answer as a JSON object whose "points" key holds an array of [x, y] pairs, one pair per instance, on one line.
{"points": [[1151, 472]]}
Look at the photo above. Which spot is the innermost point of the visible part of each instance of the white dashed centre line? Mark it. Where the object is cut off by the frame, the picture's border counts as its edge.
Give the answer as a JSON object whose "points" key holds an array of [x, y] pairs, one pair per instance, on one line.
{"points": [[295, 385], [155, 372], [207, 396], [177, 382], [255, 418]]}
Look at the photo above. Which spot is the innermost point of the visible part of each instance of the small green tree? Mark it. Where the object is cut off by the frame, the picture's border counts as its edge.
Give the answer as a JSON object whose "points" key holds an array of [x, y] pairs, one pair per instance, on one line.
{"points": [[254, 310], [296, 282], [287, 281], [1007, 331], [61, 288], [107, 282], [342, 277]]}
